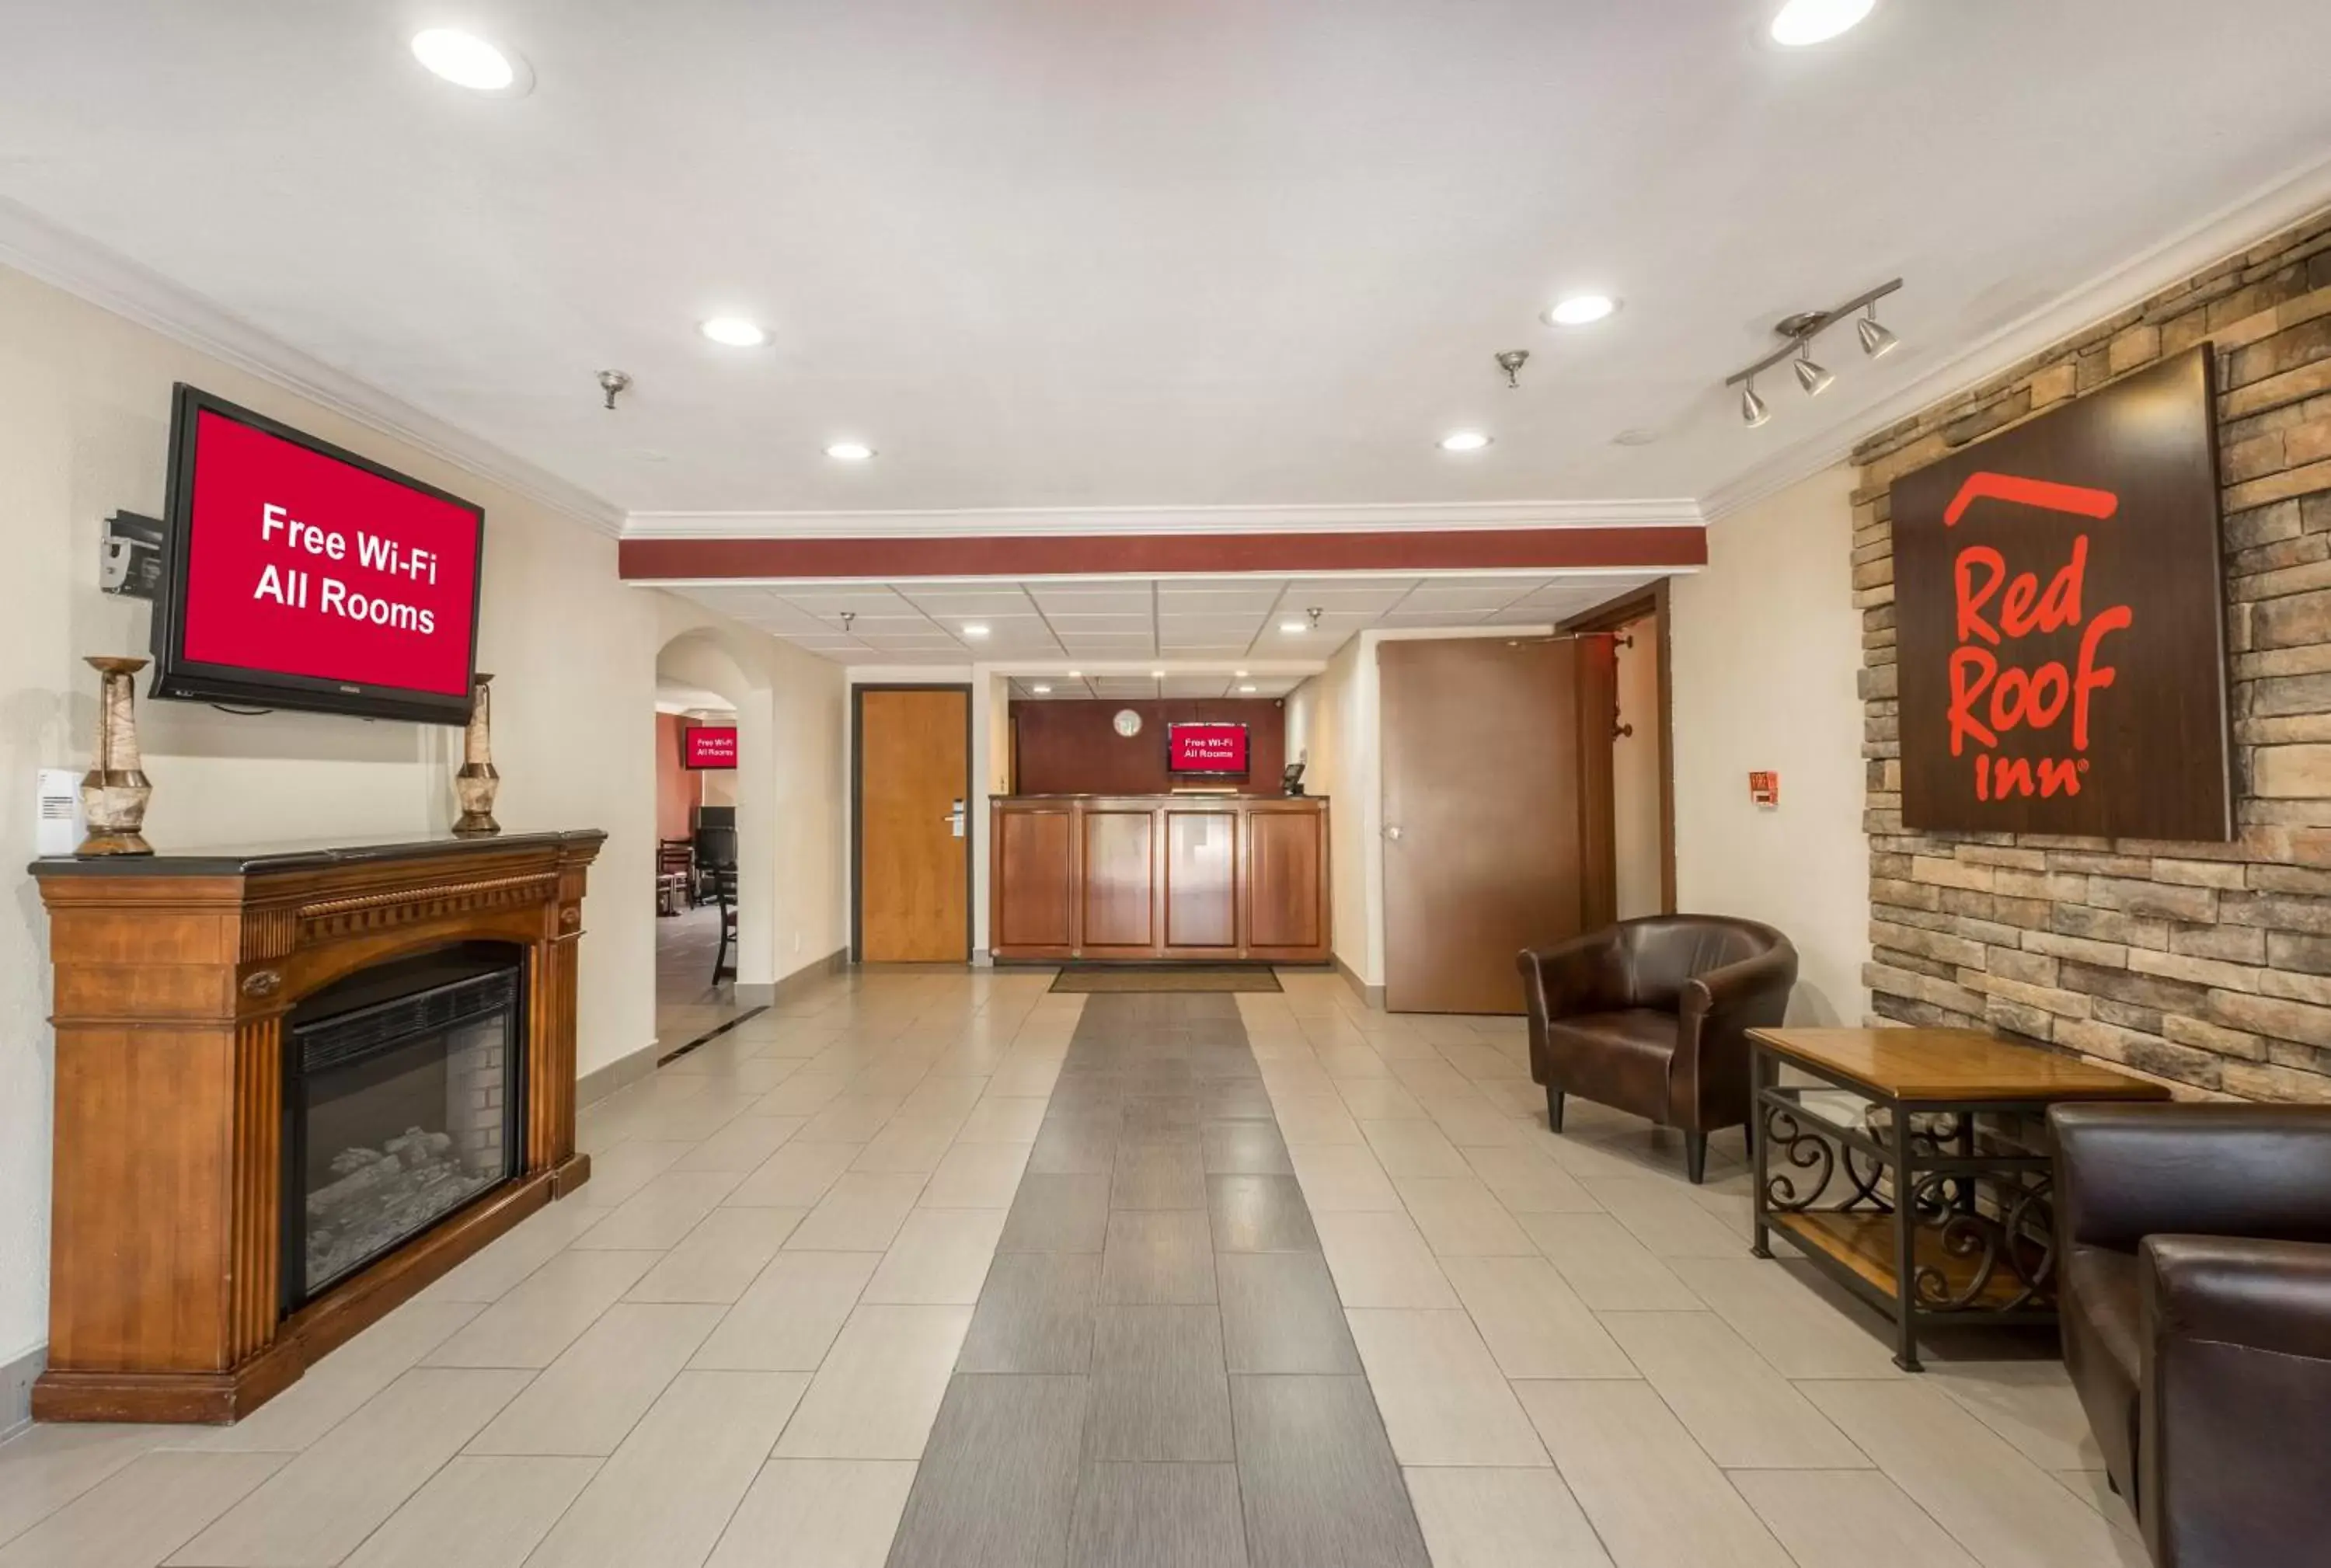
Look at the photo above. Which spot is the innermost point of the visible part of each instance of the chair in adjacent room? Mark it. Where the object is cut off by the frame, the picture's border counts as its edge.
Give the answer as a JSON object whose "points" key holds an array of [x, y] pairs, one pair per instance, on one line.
{"points": [[675, 876], [2193, 1249], [1651, 1016]]}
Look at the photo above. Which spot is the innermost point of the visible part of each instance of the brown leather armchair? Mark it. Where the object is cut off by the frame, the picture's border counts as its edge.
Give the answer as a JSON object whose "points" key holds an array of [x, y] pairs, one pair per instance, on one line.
{"points": [[2194, 1246], [1651, 1016]]}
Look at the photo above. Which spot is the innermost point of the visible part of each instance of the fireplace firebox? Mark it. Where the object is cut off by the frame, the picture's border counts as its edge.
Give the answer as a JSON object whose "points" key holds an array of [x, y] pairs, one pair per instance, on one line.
{"points": [[403, 1102]]}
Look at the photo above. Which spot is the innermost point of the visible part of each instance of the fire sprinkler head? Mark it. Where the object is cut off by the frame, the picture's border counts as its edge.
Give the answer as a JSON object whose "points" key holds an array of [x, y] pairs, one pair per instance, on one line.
{"points": [[612, 381]]}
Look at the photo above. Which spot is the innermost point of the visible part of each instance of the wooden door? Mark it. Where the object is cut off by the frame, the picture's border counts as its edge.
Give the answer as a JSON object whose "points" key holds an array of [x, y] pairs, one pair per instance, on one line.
{"points": [[914, 840], [1496, 812]]}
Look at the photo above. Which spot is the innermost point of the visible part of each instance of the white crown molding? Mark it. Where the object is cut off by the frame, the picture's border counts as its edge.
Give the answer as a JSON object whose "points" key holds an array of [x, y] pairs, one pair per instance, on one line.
{"points": [[38, 248], [2232, 229], [1051, 521]]}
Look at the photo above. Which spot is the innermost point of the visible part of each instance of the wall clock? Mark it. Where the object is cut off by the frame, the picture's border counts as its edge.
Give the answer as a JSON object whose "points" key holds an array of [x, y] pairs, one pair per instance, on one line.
{"points": [[1127, 723]]}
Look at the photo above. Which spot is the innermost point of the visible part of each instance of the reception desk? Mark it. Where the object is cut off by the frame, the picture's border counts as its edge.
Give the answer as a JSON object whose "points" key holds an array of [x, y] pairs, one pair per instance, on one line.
{"points": [[1146, 879]]}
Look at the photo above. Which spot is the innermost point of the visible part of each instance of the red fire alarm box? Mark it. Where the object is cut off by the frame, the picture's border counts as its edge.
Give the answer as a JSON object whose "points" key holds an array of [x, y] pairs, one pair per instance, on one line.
{"points": [[1765, 789]]}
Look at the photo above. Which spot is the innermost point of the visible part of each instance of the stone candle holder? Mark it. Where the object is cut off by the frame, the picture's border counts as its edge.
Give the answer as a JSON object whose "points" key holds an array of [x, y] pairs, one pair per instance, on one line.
{"points": [[115, 790], [476, 782]]}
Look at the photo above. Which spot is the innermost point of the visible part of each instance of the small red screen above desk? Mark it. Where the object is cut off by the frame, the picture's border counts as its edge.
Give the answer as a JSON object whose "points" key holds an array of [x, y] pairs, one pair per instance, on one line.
{"points": [[1212, 750], [710, 745]]}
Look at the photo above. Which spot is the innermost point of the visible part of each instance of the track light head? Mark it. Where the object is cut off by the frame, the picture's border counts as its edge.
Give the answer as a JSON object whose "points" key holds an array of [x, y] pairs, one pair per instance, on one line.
{"points": [[1810, 376], [1875, 341], [1753, 412]]}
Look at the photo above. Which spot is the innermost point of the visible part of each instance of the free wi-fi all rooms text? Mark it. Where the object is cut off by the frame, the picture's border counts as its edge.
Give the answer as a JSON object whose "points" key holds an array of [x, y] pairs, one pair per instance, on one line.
{"points": [[297, 587]]}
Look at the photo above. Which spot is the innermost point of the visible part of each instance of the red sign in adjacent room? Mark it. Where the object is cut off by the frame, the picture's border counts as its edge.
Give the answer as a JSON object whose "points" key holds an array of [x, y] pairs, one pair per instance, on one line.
{"points": [[710, 745], [1205, 749], [301, 565]]}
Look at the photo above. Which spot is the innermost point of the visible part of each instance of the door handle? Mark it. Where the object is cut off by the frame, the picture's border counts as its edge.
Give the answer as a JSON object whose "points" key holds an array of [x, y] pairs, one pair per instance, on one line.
{"points": [[1393, 834]]}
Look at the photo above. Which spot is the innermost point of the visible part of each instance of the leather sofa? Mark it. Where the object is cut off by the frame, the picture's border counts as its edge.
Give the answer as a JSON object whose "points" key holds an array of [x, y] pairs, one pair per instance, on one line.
{"points": [[2195, 1291], [1651, 1016]]}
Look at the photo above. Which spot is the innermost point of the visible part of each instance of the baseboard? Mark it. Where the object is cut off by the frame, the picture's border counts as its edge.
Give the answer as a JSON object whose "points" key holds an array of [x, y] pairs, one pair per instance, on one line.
{"points": [[981, 959], [621, 1073], [1372, 995], [794, 984], [17, 1389]]}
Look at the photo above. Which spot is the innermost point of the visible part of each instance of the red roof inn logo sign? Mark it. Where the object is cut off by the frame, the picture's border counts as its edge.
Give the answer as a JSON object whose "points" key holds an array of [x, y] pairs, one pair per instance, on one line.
{"points": [[2059, 604]]}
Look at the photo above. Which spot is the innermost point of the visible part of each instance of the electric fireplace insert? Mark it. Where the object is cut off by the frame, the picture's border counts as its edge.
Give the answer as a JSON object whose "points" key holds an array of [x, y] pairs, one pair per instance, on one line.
{"points": [[403, 1101]]}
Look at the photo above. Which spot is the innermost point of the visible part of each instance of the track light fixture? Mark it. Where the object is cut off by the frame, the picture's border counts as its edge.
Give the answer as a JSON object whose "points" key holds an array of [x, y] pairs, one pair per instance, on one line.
{"points": [[1875, 341], [1812, 377], [1797, 333]]}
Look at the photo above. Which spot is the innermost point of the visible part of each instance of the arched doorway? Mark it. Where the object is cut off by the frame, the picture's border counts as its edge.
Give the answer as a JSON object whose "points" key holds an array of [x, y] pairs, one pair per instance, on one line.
{"points": [[712, 837]]}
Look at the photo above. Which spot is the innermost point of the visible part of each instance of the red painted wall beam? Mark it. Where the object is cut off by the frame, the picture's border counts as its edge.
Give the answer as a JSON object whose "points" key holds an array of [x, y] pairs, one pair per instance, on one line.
{"points": [[1091, 554]]}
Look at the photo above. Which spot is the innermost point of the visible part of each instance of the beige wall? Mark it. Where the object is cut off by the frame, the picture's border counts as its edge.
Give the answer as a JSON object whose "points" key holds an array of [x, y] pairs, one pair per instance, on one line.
{"points": [[1766, 645], [1635, 773], [84, 429], [1331, 726]]}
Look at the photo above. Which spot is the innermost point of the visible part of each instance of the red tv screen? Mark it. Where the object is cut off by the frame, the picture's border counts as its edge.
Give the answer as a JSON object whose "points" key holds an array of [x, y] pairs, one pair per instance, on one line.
{"points": [[1216, 749], [710, 745], [302, 575]]}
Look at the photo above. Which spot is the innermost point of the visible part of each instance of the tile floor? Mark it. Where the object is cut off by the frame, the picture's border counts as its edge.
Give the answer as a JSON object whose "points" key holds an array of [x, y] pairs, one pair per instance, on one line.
{"points": [[827, 1278], [688, 1003]]}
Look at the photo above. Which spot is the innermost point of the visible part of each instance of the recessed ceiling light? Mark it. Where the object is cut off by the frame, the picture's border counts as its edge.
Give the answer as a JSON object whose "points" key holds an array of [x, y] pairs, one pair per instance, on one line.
{"points": [[466, 60], [1041, 690], [734, 331], [974, 630], [1241, 674], [1247, 687], [1076, 675], [1463, 441], [850, 451], [1804, 21], [1157, 675], [1292, 628], [1579, 311]]}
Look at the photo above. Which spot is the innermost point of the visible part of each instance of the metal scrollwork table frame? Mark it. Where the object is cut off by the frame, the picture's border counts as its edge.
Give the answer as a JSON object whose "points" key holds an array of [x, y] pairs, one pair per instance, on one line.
{"points": [[1912, 1166]]}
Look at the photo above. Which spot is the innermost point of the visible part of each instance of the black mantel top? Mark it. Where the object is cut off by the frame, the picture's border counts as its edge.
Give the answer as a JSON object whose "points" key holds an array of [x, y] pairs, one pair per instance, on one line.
{"points": [[275, 860]]}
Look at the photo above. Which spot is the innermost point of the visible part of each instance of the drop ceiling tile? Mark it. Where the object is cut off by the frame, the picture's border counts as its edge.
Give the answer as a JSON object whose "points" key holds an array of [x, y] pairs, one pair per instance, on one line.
{"points": [[832, 601], [1434, 596], [1251, 597], [946, 602], [1411, 620], [1090, 599], [1119, 620]]}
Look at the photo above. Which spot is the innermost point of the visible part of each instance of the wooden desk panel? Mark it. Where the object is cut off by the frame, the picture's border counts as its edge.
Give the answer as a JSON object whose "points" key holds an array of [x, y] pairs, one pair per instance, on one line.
{"points": [[1038, 850], [1201, 879], [1150, 878], [1121, 883]]}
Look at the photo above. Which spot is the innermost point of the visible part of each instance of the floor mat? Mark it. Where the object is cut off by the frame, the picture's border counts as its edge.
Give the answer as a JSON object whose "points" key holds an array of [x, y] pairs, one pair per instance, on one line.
{"points": [[1118, 978]]}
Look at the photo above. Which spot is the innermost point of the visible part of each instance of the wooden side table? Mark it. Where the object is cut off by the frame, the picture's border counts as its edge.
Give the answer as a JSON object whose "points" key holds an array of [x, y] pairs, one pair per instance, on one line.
{"points": [[1915, 1170]]}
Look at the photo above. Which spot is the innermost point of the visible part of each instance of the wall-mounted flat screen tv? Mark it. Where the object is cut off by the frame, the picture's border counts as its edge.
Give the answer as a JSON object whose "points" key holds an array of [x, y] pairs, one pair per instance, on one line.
{"points": [[709, 746], [298, 574], [1206, 750]]}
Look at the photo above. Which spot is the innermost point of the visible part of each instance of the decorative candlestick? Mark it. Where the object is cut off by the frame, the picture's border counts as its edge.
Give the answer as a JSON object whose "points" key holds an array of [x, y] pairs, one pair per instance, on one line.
{"points": [[115, 790], [474, 785]]}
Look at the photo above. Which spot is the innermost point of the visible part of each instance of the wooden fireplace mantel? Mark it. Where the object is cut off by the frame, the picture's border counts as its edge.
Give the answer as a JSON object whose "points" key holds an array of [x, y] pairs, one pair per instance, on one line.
{"points": [[174, 975]]}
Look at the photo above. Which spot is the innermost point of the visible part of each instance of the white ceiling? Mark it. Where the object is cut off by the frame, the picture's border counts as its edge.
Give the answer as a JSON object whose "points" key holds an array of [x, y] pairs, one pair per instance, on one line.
{"points": [[1099, 255], [1216, 620]]}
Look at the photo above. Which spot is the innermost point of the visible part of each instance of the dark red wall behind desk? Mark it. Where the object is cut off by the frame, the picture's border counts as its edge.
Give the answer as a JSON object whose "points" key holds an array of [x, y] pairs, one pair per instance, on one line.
{"points": [[1067, 748]]}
